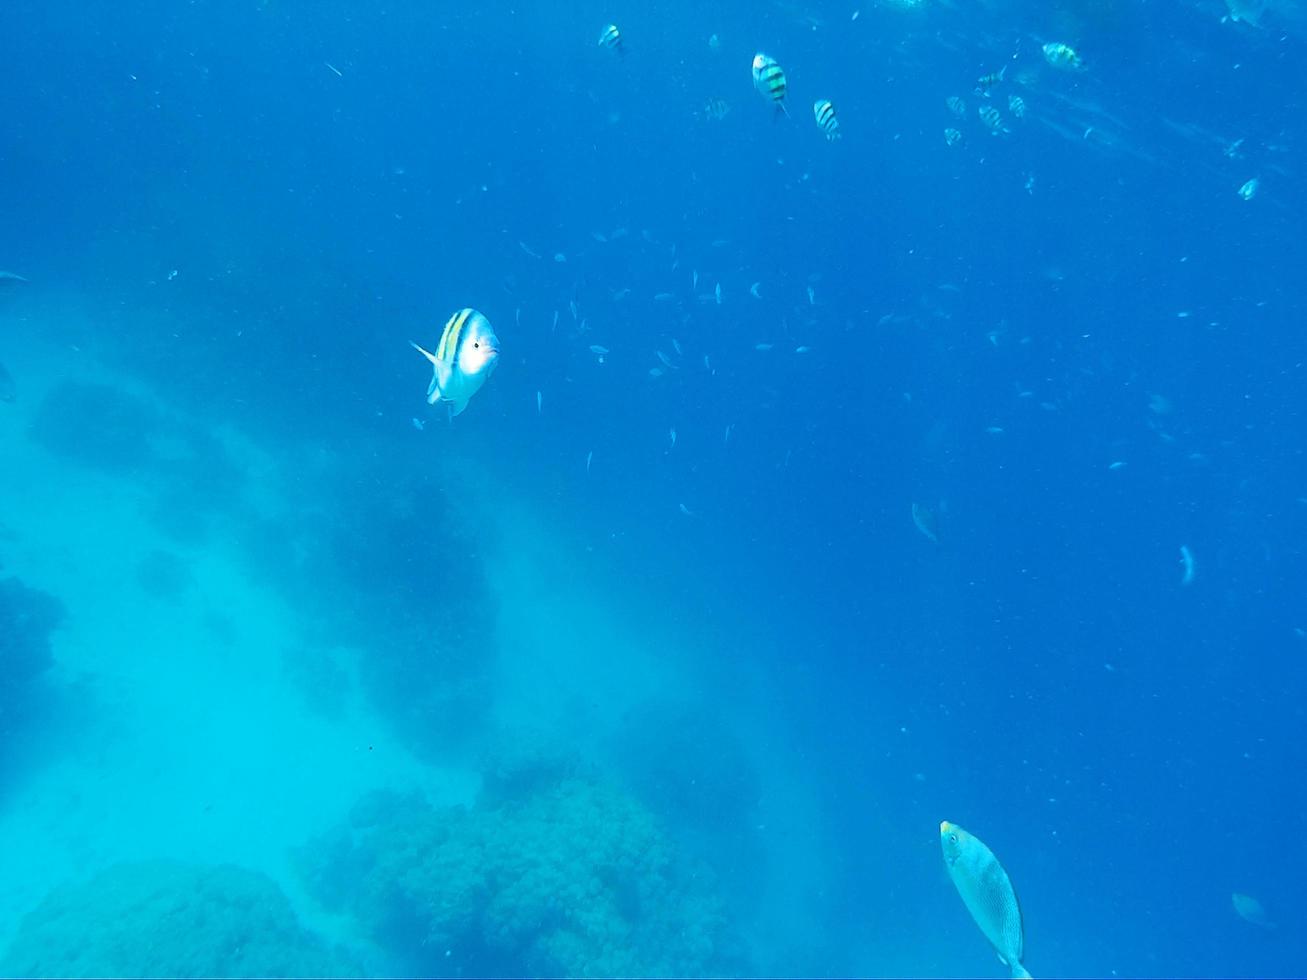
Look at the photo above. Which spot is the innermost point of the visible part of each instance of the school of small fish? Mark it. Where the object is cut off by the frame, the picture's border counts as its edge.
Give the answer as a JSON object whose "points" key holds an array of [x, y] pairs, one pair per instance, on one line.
{"points": [[468, 350]]}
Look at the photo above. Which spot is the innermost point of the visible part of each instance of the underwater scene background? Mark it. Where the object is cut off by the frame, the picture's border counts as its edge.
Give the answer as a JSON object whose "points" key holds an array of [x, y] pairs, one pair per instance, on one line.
{"points": [[825, 489]]}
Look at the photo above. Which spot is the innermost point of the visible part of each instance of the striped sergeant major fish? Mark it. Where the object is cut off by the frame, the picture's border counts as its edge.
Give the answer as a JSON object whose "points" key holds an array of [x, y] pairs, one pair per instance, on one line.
{"points": [[465, 357], [611, 38], [769, 80], [824, 113], [986, 82]]}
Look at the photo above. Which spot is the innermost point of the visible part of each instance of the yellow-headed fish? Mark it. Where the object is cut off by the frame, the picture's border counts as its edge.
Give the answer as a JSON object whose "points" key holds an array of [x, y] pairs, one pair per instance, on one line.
{"points": [[769, 80], [987, 892], [1062, 56], [824, 112], [466, 355]]}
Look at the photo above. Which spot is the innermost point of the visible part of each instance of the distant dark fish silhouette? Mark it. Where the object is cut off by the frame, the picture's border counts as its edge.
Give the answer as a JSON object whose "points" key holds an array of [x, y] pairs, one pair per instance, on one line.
{"points": [[8, 390]]}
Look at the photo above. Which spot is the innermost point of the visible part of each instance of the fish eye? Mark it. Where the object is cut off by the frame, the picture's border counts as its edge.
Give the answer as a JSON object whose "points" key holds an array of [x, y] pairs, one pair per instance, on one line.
{"points": [[476, 344], [952, 838]]}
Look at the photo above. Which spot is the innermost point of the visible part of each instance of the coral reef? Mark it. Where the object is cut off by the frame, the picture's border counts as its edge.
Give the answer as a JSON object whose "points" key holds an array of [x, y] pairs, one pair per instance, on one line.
{"points": [[385, 563], [111, 430], [574, 878], [98, 425], [683, 761], [27, 617], [169, 919]]}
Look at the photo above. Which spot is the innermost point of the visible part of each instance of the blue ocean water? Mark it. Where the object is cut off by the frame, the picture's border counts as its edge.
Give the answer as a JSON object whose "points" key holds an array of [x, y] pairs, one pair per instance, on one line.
{"points": [[641, 665]]}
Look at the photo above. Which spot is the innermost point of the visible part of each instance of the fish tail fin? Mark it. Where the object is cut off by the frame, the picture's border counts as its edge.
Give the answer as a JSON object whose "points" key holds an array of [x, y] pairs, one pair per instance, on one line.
{"points": [[1019, 972], [425, 353]]}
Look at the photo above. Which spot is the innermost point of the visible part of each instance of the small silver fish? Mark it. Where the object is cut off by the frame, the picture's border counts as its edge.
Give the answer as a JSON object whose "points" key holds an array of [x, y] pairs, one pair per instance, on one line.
{"points": [[987, 892], [952, 137], [956, 106]]}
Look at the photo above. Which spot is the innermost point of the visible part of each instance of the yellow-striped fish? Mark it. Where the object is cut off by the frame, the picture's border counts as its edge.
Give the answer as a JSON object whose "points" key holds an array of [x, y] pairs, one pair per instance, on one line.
{"points": [[769, 80], [824, 113], [1062, 56], [466, 355], [611, 38], [987, 892]]}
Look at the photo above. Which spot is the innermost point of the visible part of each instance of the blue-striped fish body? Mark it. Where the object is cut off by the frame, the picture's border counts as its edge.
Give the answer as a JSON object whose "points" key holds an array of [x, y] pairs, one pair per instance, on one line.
{"points": [[769, 80], [824, 112], [465, 357], [987, 892], [611, 38]]}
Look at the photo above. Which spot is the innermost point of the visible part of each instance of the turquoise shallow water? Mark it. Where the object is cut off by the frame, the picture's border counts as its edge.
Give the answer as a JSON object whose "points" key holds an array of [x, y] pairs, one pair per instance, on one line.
{"points": [[824, 489]]}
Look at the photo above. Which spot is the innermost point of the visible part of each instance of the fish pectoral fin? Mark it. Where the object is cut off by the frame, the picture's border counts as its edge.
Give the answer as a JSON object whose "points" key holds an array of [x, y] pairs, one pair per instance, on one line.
{"points": [[425, 353]]}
